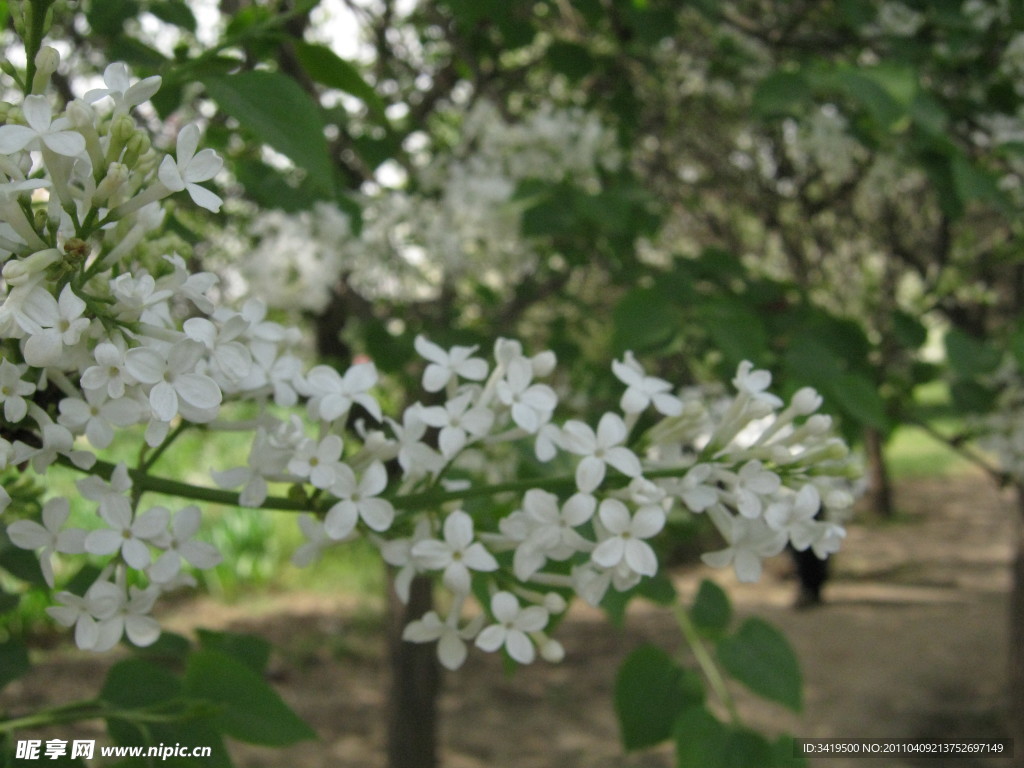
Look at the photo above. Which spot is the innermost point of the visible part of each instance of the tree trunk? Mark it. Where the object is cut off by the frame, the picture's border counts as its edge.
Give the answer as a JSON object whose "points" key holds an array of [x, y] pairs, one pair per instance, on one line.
{"points": [[1016, 671], [880, 493], [415, 684]]}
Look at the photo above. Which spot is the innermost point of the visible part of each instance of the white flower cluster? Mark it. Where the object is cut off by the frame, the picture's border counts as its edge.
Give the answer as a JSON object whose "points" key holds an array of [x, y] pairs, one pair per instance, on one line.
{"points": [[461, 219], [95, 342]]}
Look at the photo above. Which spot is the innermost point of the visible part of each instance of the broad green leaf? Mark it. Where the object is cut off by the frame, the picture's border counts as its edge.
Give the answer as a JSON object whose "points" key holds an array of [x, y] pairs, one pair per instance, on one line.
{"points": [[107, 18], [702, 741], [650, 691], [971, 397], [13, 660], [908, 330], [276, 111], [251, 650], [736, 329], [858, 396], [248, 709], [644, 319], [327, 68], [174, 12], [139, 683], [711, 610], [760, 657], [970, 357]]}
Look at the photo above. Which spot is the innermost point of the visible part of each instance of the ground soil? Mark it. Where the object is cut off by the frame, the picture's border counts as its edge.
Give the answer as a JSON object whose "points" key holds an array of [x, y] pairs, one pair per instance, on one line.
{"points": [[910, 643]]}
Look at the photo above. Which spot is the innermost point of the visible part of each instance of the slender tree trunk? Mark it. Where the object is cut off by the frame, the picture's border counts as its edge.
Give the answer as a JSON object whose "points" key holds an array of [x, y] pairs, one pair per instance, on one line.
{"points": [[415, 685], [880, 493], [1016, 672]]}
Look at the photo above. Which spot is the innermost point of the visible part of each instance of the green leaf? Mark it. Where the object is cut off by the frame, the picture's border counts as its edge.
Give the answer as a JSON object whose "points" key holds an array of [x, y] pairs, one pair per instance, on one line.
{"points": [[251, 650], [711, 610], [277, 112], [174, 12], [760, 657], [908, 330], [249, 709], [327, 68], [107, 17], [702, 741], [970, 357], [650, 691], [139, 683], [736, 329], [13, 660], [643, 319], [858, 396], [971, 397]]}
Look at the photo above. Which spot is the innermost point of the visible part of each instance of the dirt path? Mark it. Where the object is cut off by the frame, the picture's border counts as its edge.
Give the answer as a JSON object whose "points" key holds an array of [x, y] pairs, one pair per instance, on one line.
{"points": [[911, 643]]}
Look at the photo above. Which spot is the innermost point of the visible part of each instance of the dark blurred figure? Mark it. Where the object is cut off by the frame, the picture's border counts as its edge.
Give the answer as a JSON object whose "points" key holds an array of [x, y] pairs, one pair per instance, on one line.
{"points": [[812, 573]]}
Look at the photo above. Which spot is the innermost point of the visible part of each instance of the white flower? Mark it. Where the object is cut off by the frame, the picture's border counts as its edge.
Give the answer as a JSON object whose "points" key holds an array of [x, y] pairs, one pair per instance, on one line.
{"points": [[42, 131], [13, 390], [127, 535], [459, 423], [753, 486], [190, 169], [513, 624], [415, 457], [230, 359], [749, 542], [97, 415], [625, 543], [319, 462], [550, 531], [643, 390], [457, 554], [174, 383], [599, 450], [48, 537], [451, 646], [444, 366], [57, 323], [332, 395], [357, 500], [795, 516], [531, 404], [180, 544], [753, 384], [109, 372], [694, 489], [121, 90]]}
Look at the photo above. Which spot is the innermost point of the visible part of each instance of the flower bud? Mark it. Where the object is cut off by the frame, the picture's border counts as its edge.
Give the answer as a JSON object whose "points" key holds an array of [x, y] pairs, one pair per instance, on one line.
{"points": [[552, 650], [137, 146], [117, 175], [81, 115], [46, 62], [806, 401], [818, 424], [19, 272], [554, 602]]}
